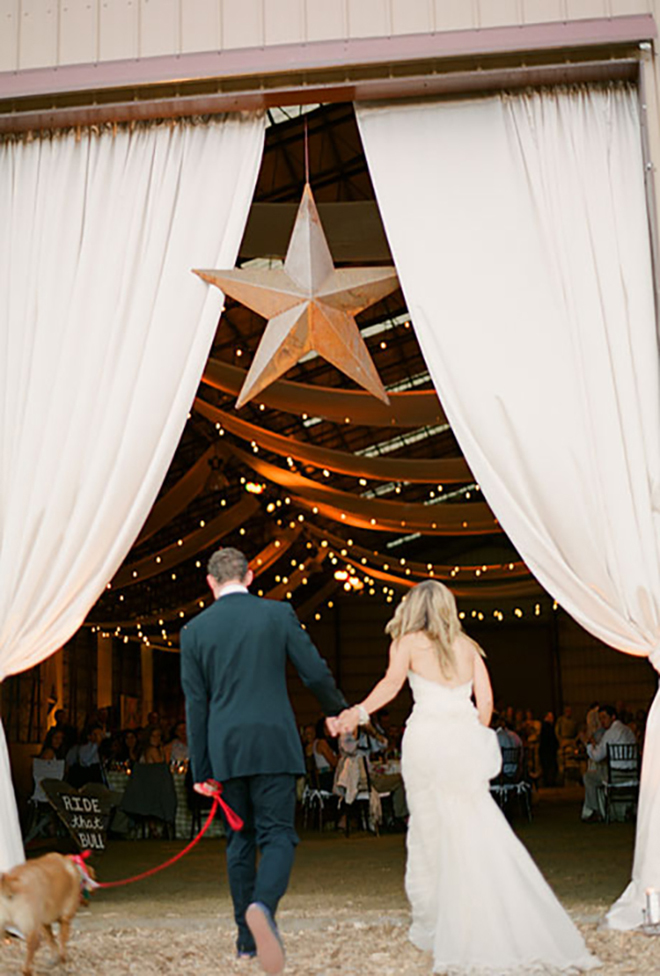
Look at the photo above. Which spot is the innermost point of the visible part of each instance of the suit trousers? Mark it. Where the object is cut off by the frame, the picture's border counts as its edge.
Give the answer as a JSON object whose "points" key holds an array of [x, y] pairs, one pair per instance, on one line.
{"points": [[267, 805]]}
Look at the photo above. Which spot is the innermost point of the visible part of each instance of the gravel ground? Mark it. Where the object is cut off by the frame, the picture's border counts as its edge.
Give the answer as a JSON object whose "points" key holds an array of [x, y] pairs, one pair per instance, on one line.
{"points": [[316, 946], [345, 912]]}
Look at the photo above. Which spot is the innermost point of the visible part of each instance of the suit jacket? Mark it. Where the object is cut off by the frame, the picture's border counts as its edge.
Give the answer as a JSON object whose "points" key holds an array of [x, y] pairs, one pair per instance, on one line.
{"points": [[233, 671]]}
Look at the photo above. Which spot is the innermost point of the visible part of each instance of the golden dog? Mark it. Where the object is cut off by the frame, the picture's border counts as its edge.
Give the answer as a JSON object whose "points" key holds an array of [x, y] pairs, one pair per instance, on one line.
{"points": [[36, 894]]}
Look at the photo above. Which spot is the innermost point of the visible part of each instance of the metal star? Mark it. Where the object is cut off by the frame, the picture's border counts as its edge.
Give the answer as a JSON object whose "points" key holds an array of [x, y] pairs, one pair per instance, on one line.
{"points": [[310, 306]]}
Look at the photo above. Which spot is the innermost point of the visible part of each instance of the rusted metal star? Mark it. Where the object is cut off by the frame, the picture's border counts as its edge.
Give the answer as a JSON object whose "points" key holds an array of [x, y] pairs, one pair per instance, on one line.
{"points": [[310, 306]]}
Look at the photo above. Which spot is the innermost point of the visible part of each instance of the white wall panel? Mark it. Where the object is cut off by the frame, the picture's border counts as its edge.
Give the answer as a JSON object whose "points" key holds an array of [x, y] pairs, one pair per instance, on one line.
{"points": [[243, 24], [369, 18], [159, 27], [543, 11], [200, 25], [118, 29], [78, 31], [455, 16], [284, 24], [499, 13], [624, 7], [412, 18], [9, 17], [38, 33], [581, 9], [325, 21]]}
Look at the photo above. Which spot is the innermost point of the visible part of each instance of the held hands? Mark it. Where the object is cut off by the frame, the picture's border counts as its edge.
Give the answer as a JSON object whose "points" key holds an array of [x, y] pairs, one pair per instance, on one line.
{"points": [[346, 721]]}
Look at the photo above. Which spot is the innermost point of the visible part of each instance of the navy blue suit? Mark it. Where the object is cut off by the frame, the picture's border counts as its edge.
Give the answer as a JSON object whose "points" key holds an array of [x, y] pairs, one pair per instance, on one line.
{"points": [[242, 732]]}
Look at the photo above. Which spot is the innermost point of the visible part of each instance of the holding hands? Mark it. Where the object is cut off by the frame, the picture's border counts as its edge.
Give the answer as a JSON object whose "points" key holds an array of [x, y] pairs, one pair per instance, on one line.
{"points": [[346, 721]]}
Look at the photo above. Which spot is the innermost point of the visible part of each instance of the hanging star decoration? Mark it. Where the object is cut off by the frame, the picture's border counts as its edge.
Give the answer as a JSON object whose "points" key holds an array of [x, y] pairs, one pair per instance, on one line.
{"points": [[310, 306]]}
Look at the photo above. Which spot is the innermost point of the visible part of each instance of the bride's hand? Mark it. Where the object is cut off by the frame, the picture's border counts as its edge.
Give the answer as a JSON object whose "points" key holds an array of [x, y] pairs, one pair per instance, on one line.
{"points": [[348, 720]]}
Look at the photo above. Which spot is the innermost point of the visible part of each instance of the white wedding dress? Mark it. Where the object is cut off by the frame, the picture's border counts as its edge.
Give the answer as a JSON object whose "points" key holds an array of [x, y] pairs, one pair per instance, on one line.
{"points": [[479, 903]]}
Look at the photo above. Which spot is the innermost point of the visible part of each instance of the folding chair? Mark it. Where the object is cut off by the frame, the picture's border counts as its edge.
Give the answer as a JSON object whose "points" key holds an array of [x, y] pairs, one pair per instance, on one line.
{"points": [[41, 814], [622, 784], [511, 781], [315, 799]]}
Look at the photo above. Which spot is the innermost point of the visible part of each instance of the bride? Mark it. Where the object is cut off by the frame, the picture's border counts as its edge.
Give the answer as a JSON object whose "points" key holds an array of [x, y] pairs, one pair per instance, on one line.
{"points": [[478, 901]]}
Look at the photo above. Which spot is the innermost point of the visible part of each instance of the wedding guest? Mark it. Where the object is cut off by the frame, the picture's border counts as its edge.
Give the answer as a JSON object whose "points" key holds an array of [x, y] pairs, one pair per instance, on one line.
{"points": [[548, 746], [639, 726], [325, 758], [615, 732], [55, 740], [131, 746], [154, 751], [176, 751], [509, 740], [592, 722], [83, 762], [63, 726], [531, 736], [566, 731]]}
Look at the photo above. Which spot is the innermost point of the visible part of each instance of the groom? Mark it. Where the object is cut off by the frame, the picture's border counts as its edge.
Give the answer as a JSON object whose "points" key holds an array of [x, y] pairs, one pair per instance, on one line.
{"points": [[242, 732]]}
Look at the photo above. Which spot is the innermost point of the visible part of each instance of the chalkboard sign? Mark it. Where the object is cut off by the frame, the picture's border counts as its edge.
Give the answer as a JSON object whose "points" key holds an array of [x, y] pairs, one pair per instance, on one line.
{"points": [[85, 812]]}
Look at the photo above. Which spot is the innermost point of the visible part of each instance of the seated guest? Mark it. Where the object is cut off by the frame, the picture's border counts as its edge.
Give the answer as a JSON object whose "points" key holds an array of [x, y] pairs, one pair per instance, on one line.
{"points": [[615, 732], [508, 739], [154, 751], [176, 751], [594, 729], [113, 751], [382, 722], [638, 725], [319, 752], [566, 731], [131, 747], [68, 732], [370, 742], [83, 762], [55, 740]]}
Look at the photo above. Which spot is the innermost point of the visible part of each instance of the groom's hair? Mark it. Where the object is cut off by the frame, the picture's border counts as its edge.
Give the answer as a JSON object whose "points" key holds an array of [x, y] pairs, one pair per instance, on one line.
{"points": [[227, 564]]}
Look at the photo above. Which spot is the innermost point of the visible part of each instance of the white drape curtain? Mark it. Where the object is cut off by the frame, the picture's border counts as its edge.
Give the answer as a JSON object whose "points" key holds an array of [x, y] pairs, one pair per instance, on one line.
{"points": [[104, 333], [519, 228]]}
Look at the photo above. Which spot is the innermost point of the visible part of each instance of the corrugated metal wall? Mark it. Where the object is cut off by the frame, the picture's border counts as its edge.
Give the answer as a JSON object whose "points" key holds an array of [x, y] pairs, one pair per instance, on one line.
{"points": [[45, 33]]}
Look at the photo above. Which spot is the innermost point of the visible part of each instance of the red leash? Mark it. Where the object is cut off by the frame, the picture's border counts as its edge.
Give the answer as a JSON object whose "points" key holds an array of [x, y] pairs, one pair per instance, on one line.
{"points": [[234, 821]]}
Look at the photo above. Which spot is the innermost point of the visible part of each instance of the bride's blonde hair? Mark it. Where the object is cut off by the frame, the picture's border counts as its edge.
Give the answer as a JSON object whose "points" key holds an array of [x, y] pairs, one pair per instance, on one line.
{"points": [[429, 607]]}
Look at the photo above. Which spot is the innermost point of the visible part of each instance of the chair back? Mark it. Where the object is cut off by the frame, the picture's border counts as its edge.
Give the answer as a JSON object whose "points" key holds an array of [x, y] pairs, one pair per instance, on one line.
{"points": [[45, 769], [512, 765], [622, 761]]}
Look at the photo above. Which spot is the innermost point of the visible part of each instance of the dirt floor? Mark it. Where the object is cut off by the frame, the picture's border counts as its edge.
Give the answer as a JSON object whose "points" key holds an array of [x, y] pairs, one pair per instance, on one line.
{"points": [[345, 912]]}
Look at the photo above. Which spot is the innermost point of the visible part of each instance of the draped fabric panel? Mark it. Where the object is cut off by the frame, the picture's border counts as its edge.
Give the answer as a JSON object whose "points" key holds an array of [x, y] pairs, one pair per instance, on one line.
{"points": [[104, 333], [519, 230], [180, 495], [444, 572], [450, 518], [267, 557], [173, 555], [413, 470], [414, 408]]}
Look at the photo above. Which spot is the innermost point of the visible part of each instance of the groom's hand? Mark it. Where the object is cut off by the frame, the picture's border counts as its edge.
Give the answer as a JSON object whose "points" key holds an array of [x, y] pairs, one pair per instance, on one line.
{"points": [[208, 788], [331, 725]]}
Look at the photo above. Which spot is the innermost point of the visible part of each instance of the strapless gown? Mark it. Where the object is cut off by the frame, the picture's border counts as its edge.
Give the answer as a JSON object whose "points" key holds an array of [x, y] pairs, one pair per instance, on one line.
{"points": [[478, 901]]}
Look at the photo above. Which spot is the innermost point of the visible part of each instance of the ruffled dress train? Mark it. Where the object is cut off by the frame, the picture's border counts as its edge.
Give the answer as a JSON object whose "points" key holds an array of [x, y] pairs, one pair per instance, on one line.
{"points": [[479, 903]]}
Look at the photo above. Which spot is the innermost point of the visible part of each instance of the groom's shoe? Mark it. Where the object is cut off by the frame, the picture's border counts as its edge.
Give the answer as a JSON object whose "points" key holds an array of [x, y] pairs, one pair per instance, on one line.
{"points": [[270, 951]]}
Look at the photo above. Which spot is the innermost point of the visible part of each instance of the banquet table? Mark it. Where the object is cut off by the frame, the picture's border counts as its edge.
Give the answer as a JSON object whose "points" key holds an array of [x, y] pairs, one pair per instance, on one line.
{"points": [[118, 780]]}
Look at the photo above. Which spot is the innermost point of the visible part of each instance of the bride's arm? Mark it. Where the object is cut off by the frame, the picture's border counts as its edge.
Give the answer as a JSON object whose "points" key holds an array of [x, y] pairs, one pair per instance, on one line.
{"points": [[483, 692], [381, 694]]}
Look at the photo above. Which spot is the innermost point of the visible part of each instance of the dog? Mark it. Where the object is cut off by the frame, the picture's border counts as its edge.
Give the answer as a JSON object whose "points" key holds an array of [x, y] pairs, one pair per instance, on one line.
{"points": [[34, 895]]}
